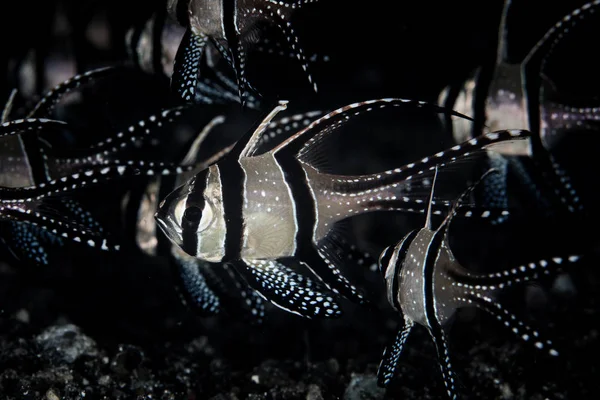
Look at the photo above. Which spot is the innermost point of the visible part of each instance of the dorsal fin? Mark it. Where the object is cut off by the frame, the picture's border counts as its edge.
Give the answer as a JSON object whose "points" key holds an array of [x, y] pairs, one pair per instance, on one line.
{"points": [[533, 66], [545, 46], [192, 154], [302, 140], [247, 145], [428, 218], [468, 191], [7, 110], [502, 50]]}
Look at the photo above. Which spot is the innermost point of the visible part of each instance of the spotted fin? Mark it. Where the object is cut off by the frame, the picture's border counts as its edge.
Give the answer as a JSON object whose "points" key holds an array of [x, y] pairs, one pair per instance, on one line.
{"points": [[34, 243], [290, 290], [302, 143], [240, 298], [194, 288], [29, 125], [494, 188], [62, 228], [518, 327], [279, 129], [441, 345], [544, 48], [457, 204], [186, 67], [113, 146], [30, 243], [389, 360], [248, 145], [90, 177], [281, 19], [483, 284], [325, 263]]}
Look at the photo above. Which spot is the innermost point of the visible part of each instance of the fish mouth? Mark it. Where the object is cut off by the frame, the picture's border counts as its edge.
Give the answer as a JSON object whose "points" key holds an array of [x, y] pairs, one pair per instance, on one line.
{"points": [[169, 228]]}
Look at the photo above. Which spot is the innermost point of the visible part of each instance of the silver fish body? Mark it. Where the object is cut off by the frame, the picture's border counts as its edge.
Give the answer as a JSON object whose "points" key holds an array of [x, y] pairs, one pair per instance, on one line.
{"points": [[275, 205], [426, 285]]}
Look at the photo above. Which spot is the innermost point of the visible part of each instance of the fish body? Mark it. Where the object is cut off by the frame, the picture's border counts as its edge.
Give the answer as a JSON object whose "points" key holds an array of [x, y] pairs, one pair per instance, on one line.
{"points": [[517, 94], [209, 288], [426, 284], [253, 207]]}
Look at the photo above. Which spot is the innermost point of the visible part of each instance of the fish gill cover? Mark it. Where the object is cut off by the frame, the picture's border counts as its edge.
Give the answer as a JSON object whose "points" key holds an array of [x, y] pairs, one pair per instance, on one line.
{"points": [[184, 215]]}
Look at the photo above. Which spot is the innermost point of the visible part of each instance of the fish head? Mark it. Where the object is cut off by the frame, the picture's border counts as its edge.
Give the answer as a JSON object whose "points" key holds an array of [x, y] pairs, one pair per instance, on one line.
{"points": [[192, 216]]}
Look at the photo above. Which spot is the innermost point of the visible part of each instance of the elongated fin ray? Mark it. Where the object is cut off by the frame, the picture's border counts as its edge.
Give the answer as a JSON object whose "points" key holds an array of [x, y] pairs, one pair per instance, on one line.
{"points": [[251, 301], [7, 110], [482, 283], [544, 48], [250, 145], [324, 263], [494, 188], [428, 218], [487, 142], [453, 212], [192, 154], [301, 142], [441, 345], [509, 320], [29, 125], [391, 355], [139, 130], [61, 228], [290, 290], [92, 176], [46, 104], [278, 129]]}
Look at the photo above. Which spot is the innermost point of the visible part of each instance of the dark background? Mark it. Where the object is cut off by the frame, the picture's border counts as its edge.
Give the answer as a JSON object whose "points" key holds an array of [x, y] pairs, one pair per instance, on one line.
{"points": [[147, 344]]}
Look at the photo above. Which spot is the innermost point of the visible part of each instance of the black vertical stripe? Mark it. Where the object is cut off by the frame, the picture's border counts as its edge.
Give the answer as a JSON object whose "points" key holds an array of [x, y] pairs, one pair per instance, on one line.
{"points": [[232, 186], [400, 261], [196, 199], [428, 271], [302, 197], [229, 11]]}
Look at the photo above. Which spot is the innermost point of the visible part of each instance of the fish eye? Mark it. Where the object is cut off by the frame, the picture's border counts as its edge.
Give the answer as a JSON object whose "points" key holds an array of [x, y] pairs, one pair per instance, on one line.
{"points": [[196, 218], [192, 215]]}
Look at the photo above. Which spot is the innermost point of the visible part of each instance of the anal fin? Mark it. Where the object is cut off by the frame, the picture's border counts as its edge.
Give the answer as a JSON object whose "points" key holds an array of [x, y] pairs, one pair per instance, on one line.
{"points": [[289, 290]]}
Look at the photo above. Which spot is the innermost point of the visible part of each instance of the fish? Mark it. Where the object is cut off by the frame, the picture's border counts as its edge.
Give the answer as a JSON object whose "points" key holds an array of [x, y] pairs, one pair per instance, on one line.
{"points": [[161, 46], [257, 206], [37, 200], [212, 288], [426, 284], [231, 26], [517, 93]]}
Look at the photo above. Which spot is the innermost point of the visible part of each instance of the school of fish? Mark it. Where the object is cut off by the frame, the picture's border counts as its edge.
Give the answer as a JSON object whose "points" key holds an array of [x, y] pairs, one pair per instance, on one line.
{"points": [[257, 219]]}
